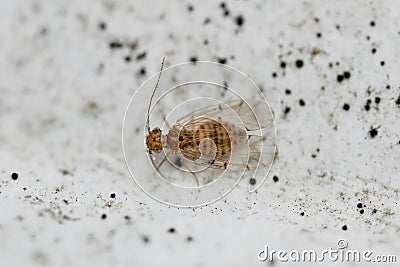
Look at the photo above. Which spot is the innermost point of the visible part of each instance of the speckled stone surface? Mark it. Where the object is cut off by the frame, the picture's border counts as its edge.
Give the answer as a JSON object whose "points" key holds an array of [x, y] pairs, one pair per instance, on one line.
{"points": [[68, 68]]}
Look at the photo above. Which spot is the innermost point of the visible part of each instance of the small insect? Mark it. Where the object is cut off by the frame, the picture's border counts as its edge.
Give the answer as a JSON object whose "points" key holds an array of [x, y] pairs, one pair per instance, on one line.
{"points": [[218, 137]]}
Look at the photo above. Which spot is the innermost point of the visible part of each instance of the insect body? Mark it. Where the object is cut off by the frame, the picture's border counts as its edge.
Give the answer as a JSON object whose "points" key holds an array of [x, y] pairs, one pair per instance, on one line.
{"points": [[200, 138]]}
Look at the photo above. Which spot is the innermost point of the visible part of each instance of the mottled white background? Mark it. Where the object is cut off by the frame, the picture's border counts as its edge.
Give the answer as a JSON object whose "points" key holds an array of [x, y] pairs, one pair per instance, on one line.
{"points": [[64, 90]]}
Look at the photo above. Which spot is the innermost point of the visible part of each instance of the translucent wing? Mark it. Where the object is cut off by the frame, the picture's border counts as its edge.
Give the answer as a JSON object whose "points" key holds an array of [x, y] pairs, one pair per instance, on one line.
{"points": [[252, 136]]}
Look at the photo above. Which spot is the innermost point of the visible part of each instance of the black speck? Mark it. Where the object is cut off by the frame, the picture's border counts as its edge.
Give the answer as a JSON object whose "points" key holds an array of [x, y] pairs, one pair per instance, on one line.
{"points": [[373, 50], [128, 58], [275, 178], [340, 78], [190, 8], [239, 20], [207, 20], [171, 230], [222, 5], [112, 195], [373, 132], [142, 71], [193, 59], [189, 239], [104, 216], [382, 63], [102, 26], [299, 63], [359, 205], [374, 211], [205, 42], [302, 103], [141, 55], [222, 60], [377, 100], [372, 23], [274, 75], [287, 110], [252, 181], [388, 87], [347, 74], [319, 35], [283, 64], [178, 162], [145, 239], [302, 213], [361, 211], [288, 92], [127, 217], [368, 105], [115, 45], [226, 13], [344, 227], [398, 101], [14, 176], [346, 106]]}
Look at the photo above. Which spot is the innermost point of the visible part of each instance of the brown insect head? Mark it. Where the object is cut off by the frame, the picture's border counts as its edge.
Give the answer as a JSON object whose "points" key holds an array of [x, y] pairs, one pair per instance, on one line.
{"points": [[154, 141]]}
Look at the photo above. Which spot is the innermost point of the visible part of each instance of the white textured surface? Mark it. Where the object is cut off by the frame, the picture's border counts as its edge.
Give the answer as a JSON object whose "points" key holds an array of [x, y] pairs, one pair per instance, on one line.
{"points": [[63, 95]]}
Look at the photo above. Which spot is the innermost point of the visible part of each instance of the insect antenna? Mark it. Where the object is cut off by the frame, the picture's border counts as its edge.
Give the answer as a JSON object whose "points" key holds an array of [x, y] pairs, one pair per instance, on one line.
{"points": [[151, 99]]}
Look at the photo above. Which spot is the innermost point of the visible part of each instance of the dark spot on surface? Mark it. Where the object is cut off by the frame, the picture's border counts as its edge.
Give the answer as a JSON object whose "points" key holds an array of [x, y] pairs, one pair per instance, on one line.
{"points": [[239, 20], [359, 205], [112, 195], [367, 105], [340, 78], [102, 26], [373, 50], [299, 63], [104, 216], [127, 217], [252, 181], [190, 8], [346, 74], [274, 75], [222, 60], [372, 23], [115, 45], [344, 227], [286, 110], [205, 42], [275, 178], [193, 59], [374, 211], [302, 103], [207, 20], [377, 100], [361, 211], [145, 239], [141, 55], [388, 86], [283, 64], [14, 176], [189, 239], [288, 92], [398, 101], [222, 5], [171, 230], [302, 213], [373, 132], [319, 35], [128, 58], [316, 19], [142, 71], [226, 13], [178, 162], [382, 63], [346, 106]]}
